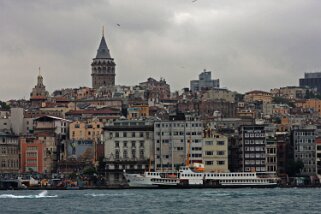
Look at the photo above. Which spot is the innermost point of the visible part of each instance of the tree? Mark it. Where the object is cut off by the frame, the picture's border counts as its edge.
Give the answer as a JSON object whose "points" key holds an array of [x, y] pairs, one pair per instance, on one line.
{"points": [[282, 100], [4, 106], [294, 168], [90, 170]]}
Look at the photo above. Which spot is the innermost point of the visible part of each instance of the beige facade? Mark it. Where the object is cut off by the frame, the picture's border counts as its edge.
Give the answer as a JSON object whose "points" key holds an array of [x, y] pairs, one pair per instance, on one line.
{"points": [[49, 152], [271, 155], [85, 130], [219, 94], [263, 96], [290, 92], [313, 104], [9, 153], [215, 152]]}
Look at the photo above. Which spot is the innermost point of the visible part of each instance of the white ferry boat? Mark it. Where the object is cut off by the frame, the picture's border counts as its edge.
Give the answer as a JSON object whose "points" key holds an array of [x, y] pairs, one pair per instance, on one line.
{"points": [[188, 177]]}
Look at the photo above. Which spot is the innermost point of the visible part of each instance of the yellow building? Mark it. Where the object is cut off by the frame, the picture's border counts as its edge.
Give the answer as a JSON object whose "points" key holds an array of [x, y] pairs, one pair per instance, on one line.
{"points": [[313, 104], [85, 130], [256, 95], [215, 152], [137, 111]]}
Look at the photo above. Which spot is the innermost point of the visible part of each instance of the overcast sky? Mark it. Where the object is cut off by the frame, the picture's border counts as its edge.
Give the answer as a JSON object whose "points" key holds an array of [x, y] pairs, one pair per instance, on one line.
{"points": [[248, 44]]}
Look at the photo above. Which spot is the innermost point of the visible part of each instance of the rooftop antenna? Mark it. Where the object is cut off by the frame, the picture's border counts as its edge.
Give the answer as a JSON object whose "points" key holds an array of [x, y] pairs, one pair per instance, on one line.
{"points": [[39, 71], [103, 31]]}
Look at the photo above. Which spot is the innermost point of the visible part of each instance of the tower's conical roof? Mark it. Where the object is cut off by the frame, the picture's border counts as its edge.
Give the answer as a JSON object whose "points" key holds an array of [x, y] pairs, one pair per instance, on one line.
{"points": [[103, 51]]}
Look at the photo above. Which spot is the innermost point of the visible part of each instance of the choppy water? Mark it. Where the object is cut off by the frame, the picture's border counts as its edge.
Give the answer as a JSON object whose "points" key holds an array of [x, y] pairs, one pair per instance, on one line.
{"points": [[276, 200]]}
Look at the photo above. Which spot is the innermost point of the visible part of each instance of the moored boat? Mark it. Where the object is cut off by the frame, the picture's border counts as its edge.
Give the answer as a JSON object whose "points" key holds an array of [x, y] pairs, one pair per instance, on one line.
{"points": [[187, 177]]}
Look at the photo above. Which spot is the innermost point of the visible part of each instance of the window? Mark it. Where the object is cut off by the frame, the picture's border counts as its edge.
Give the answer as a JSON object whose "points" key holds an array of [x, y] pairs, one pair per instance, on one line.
{"points": [[208, 143], [141, 134], [141, 144], [125, 154], [133, 134], [208, 162], [141, 154], [133, 144], [117, 134], [124, 134], [116, 144], [220, 152], [116, 156], [220, 162], [220, 143], [209, 152], [125, 144]]}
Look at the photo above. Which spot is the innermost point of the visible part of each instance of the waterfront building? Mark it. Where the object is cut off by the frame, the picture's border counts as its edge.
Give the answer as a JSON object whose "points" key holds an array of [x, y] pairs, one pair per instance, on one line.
{"points": [[174, 139], [51, 131], [205, 82], [32, 153], [103, 67], [318, 156], [271, 154], [9, 153], [215, 152], [305, 149], [311, 80], [128, 146], [252, 148], [284, 152]]}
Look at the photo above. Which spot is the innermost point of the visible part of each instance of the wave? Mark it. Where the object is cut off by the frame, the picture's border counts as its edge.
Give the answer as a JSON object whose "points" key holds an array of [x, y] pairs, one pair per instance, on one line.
{"points": [[108, 195], [43, 194]]}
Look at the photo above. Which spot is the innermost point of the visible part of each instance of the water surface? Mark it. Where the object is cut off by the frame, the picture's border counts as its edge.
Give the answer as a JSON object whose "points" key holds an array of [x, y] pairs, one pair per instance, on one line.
{"points": [[294, 200]]}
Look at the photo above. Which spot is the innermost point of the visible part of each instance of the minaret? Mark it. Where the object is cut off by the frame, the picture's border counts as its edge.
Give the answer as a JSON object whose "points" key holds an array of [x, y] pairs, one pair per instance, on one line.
{"points": [[103, 66]]}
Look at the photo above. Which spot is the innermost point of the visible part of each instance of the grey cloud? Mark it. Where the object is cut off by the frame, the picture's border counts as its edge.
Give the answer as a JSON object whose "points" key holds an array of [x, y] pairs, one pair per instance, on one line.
{"points": [[252, 44]]}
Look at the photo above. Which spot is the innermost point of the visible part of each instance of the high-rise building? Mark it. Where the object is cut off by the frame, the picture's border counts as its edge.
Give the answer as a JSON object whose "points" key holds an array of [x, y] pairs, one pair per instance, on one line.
{"points": [[103, 67], [204, 82], [311, 80]]}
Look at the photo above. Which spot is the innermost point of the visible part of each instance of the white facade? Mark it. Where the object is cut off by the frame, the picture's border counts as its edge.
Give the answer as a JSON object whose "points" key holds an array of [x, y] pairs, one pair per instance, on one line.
{"points": [[173, 139], [128, 146]]}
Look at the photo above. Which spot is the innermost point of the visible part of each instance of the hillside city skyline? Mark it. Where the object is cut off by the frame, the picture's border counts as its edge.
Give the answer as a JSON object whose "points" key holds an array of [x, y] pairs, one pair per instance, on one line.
{"points": [[238, 42]]}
